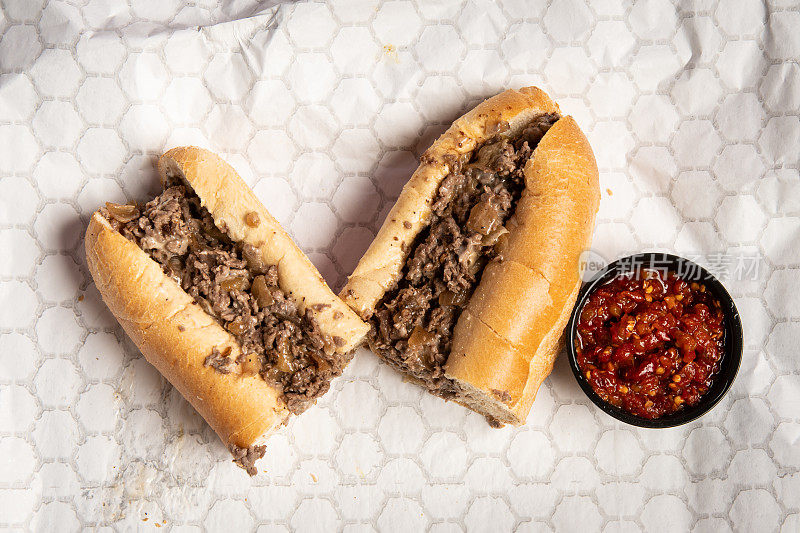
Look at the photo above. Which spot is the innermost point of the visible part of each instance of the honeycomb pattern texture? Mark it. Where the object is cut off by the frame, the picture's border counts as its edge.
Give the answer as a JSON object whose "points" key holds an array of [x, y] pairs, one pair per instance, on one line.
{"points": [[693, 112]]}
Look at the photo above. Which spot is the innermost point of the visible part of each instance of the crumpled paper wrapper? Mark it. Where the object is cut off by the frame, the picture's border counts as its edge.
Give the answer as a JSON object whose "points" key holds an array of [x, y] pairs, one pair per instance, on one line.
{"points": [[324, 109]]}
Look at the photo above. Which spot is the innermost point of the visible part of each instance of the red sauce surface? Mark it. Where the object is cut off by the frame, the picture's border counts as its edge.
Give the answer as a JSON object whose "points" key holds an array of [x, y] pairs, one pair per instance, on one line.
{"points": [[651, 343]]}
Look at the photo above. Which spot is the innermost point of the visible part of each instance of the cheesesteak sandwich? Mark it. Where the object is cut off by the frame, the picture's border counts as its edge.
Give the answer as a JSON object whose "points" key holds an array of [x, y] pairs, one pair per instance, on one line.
{"points": [[220, 300], [471, 279]]}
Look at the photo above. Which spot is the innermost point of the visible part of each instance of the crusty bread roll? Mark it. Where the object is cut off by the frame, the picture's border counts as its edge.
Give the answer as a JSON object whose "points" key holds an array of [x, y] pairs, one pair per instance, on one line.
{"points": [[508, 334], [176, 335]]}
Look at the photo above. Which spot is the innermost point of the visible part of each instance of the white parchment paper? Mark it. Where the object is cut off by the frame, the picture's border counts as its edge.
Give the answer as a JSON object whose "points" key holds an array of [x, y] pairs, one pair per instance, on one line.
{"points": [[324, 109]]}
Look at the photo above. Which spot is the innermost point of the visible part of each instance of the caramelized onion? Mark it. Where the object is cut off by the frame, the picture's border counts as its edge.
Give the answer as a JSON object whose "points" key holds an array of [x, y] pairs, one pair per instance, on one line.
{"points": [[469, 257], [234, 283], [322, 364], [492, 238], [253, 258], [329, 346], [122, 212], [477, 266], [261, 291], [286, 361], [419, 337], [238, 326], [483, 218], [452, 298], [252, 219], [502, 243]]}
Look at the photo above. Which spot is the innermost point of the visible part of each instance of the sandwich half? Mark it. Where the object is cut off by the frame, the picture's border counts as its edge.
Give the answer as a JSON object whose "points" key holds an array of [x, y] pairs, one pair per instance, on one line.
{"points": [[221, 301], [471, 279]]}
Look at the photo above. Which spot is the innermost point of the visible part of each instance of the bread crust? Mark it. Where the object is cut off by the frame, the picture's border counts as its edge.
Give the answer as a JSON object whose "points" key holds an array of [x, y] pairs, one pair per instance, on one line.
{"points": [[506, 339], [526, 298], [176, 335]]}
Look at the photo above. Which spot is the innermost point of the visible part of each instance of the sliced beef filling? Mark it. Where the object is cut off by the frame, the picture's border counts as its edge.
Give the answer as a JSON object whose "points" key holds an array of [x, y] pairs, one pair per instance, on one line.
{"points": [[413, 324], [246, 457], [231, 283]]}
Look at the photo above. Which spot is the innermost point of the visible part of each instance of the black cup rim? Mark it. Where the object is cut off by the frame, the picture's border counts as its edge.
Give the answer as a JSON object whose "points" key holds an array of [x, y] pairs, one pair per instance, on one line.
{"points": [[731, 359]]}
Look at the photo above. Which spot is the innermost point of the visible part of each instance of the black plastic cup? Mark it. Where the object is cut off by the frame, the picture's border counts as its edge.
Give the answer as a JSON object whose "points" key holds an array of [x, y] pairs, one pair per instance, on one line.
{"points": [[732, 338]]}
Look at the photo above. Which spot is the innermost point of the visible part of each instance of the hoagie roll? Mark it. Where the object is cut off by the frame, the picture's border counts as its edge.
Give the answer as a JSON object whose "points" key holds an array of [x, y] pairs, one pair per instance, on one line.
{"points": [[471, 279], [220, 300]]}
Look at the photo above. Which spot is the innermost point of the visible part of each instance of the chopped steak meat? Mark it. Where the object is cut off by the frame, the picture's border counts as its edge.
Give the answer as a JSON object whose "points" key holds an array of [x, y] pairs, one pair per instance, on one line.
{"points": [[247, 457], [231, 282], [220, 361], [412, 326]]}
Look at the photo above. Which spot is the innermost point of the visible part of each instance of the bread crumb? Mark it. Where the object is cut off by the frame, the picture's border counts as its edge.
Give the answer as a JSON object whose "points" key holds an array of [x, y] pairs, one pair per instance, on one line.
{"points": [[609, 192], [390, 51]]}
